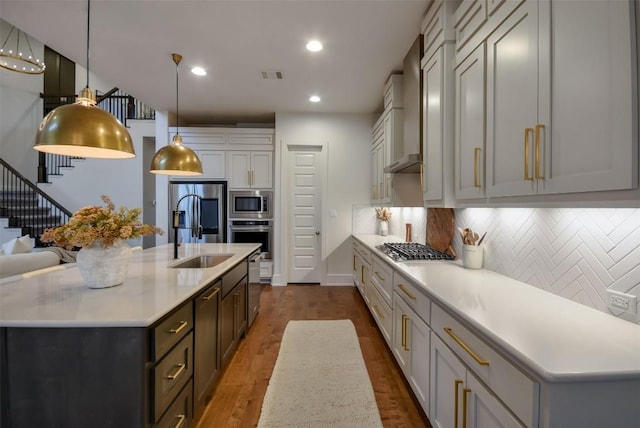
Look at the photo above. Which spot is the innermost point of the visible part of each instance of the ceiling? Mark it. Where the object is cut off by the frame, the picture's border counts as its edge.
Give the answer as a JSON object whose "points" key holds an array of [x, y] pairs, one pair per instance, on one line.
{"points": [[131, 42]]}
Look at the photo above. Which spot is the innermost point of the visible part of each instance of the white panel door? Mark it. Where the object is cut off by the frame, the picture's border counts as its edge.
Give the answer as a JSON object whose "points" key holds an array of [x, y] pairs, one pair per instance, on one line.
{"points": [[304, 215], [448, 376], [261, 170], [239, 166], [433, 101], [213, 164]]}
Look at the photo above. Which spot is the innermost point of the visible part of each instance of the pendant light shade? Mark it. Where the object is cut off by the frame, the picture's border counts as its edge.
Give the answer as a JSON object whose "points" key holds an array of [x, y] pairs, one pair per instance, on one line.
{"points": [[83, 129], [176, 158]]}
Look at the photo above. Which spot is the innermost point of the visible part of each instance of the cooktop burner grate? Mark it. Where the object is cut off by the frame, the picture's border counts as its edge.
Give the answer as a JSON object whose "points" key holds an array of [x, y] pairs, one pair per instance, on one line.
{"points": [[402, 251]]}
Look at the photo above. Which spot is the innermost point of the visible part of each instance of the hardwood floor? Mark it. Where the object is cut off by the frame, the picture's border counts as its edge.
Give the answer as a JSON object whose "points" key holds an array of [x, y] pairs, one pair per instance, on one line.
{"points": [[237, 399]]}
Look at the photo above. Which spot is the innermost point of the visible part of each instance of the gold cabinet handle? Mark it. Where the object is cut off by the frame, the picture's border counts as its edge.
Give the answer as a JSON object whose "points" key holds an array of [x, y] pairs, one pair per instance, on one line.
{"points": [[212, 295], [405, 345], [457, 383], [249, 178], [377, 309], [526, 154], [476, 167], [362, 275], [388, 186], [180, 327], [465, 392], [354, 262], [539, 176], [464, 346], [178, 372], [380, 190], [381, 278], [405, 291], [181, 419], [422, 177]]}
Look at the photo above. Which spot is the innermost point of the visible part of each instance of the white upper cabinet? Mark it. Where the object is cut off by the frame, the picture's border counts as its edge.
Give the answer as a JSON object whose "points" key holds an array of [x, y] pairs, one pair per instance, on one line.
{"points": [[250, 170], [561, 97], [213, 164]]}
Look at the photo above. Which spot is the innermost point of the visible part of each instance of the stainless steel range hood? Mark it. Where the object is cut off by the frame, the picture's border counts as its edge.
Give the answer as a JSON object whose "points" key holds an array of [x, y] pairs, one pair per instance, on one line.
{"points": [[407, 155]]}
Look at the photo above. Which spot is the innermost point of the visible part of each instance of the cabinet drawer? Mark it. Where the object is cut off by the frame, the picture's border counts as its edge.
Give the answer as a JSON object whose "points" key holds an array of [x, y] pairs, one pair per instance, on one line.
{"points": [[516, 389], [233, 277], [416, 300], [171, 374], [382, 279], [362, 251], [381, 313], [171, 330], [180, 412], [469, 17]]}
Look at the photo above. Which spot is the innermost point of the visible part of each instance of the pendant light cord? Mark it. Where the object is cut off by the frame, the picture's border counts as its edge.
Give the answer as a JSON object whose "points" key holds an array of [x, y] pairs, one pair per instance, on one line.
{"points": [[177, 102], [88, 27]]}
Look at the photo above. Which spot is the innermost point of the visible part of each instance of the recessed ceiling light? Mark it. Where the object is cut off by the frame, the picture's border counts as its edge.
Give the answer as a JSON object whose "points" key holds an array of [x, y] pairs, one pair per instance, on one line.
{"points": [[314, 99], [314, 46], [199, 71]]}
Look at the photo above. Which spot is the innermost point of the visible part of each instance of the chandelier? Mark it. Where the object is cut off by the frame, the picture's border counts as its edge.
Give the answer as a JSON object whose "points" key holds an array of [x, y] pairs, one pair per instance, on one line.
{"points": [[14, 59]]}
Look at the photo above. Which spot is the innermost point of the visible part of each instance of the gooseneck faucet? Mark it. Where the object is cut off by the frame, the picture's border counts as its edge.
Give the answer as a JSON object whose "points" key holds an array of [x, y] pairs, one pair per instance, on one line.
{"points": [[176, 221]]}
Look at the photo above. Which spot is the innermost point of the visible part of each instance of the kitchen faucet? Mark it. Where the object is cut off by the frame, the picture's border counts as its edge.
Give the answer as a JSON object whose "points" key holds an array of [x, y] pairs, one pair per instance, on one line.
{"points": [[176, 222]]}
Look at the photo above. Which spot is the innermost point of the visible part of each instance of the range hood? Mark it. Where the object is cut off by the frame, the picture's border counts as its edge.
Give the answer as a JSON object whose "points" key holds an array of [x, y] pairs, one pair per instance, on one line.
{"points": [[407, 154]]}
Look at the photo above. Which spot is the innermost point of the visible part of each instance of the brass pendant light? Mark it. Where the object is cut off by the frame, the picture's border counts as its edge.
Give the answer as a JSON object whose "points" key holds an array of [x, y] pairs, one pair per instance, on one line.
{"points": [[83, 129], [176, 158]]}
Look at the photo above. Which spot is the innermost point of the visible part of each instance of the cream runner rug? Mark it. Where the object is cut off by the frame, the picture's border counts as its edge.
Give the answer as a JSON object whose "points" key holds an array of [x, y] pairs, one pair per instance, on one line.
{"points": [[320, 379]]}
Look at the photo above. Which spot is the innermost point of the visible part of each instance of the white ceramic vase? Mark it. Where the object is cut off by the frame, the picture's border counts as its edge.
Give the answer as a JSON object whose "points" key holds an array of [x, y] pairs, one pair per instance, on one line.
{"points": [[384, 228], [103, 267]]}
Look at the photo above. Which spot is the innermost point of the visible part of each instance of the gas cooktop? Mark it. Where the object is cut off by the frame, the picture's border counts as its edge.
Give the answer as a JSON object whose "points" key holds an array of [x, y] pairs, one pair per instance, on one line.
{"points": [[403, 251]]}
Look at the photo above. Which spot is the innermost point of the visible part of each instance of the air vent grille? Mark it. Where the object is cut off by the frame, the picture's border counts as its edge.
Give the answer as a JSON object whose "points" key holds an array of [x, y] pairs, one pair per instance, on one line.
{"points": [[272, 75]]}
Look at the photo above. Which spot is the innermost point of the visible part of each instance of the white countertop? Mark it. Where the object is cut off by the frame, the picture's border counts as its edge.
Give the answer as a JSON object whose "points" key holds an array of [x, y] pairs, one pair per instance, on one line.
{"points": [[556, 338], [150, 291]]}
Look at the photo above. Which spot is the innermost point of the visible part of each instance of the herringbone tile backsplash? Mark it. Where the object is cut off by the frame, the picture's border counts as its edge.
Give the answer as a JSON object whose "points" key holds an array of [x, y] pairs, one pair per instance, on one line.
{"points": [[571, 252]]}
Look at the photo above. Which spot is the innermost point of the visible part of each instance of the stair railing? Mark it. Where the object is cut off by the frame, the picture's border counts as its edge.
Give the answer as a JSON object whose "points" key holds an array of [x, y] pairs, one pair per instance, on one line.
{"points": [[115, 101], [26, 206]]}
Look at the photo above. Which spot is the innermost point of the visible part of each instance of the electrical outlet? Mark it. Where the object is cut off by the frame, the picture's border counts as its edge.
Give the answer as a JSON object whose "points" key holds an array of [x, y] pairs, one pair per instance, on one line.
{"points": [[622, 301]]}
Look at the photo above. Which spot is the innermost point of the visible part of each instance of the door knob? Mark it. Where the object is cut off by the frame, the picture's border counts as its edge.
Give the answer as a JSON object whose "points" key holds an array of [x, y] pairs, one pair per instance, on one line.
{"points": [[317, 232]]}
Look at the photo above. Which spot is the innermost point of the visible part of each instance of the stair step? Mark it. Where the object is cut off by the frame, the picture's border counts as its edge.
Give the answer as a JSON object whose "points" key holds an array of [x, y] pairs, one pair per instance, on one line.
{"points": [[14, 210]]}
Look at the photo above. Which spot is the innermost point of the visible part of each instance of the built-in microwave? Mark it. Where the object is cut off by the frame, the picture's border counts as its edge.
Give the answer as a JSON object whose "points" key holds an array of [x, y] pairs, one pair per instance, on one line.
{"points": [[250, 204]]}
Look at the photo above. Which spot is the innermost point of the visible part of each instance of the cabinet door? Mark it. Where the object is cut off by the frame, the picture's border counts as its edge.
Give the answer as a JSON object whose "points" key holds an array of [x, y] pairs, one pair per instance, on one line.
{"points": [[512, 103], [432, 124], [206, 364], [213, 164], [239, 169], [588, 142], [241, 309], [418, 342], [399, 337], [377, 176], [483, 408], [227, 328], [447, 382], [470, 129], [261, 170]]}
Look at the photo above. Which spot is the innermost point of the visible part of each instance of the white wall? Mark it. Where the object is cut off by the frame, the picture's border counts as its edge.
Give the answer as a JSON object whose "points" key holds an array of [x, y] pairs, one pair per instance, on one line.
{"points": [[20, 112], [348, 141]]}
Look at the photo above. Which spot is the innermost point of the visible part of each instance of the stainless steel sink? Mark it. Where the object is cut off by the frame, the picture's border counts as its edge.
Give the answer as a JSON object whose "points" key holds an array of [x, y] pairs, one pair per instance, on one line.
{"points": [[202, 261]]}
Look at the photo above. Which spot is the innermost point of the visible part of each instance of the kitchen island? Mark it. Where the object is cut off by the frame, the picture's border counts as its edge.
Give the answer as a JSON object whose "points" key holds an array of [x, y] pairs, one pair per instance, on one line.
{"points": [[519, 355], [71, 356]]}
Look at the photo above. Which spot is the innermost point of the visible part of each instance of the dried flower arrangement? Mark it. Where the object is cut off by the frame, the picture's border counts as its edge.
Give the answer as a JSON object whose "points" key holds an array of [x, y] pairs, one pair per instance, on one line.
{"points": [[383, 214], [99, 225]]}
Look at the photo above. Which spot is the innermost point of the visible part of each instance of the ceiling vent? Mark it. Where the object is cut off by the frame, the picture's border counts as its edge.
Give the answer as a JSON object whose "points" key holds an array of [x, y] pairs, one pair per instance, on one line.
{"points": [[271, 75]]}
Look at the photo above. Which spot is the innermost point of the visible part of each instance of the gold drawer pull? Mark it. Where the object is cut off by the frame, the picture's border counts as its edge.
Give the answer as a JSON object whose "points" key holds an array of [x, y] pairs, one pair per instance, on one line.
{"points": [[362, 275], [381, 278], [464, 346], [457, 383], [476, 162], [422, 177], [405, 346], [527, 177], [181, 419], [377, 309], [180, 327], [211, 296], [409, 295], [178, 372], [465, 392], [354, 262]]}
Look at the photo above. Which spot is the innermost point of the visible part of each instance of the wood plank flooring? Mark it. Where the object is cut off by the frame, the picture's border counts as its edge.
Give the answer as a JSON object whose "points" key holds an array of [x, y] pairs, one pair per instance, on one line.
{"points": [[238, 397]]}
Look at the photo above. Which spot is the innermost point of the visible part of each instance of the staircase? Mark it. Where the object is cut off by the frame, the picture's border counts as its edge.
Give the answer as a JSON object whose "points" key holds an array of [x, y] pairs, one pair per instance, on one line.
{"points": [[26, 209]]}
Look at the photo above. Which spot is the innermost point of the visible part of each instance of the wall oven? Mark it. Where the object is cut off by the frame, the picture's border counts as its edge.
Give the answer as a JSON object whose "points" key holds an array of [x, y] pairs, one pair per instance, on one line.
{"points": [[250, 204], [253, 231]]}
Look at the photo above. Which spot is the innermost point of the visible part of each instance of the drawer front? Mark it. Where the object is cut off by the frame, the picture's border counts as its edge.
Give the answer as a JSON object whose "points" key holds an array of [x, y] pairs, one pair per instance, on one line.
{"points": [[171, 374], [382, 279], [468, 18], [516, 389], [233, 277], [381, 313], [437, 26], [171, 330], [362, 251], [412, 295], [180, 412]]}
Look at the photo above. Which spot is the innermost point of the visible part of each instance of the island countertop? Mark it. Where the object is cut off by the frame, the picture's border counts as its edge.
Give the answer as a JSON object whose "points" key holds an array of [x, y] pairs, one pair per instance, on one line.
{"points": [[151, 290]]}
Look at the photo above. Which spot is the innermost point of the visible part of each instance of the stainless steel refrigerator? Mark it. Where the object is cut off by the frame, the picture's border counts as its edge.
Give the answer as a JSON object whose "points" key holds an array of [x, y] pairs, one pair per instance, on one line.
{"points": [[197, 211]]}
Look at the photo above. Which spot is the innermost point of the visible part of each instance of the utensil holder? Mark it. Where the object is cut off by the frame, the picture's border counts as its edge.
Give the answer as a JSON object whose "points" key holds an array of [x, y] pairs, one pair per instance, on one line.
{"points": [[472, 256]]}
